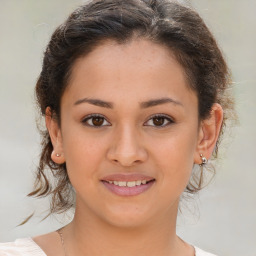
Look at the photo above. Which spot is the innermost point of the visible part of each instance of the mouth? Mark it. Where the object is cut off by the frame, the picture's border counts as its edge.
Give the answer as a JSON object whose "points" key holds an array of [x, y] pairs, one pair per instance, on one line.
{"points": [[128, 185]]}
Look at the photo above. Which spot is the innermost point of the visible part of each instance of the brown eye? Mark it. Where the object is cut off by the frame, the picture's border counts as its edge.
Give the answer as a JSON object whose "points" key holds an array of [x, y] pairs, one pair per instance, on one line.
{"points": [[159, 121], [95, 121]]}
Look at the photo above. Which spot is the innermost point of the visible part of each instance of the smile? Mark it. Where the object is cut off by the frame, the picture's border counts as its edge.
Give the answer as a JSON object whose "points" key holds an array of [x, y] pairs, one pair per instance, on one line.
{"points": [[129, 184]]}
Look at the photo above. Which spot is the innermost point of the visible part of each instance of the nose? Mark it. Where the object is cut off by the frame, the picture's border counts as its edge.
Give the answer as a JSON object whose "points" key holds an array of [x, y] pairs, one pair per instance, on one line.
{"points": [[126, 147]]}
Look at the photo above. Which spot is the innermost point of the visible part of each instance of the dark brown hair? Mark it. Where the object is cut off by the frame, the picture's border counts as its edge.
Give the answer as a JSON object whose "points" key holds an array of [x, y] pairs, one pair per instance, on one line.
{"points": [[168, 23]]}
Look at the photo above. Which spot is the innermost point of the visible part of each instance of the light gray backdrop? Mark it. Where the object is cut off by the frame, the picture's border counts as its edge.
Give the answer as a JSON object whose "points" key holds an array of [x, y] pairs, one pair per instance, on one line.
{"points": [[225, 221]]}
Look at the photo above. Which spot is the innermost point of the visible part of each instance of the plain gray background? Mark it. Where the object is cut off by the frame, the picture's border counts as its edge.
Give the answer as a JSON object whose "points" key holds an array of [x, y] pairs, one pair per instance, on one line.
{"points": [[222, 219]]}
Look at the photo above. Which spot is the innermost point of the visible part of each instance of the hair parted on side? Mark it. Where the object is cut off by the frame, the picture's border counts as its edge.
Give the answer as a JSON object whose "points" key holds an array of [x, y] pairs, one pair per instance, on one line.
{"points": [[164, 22]]}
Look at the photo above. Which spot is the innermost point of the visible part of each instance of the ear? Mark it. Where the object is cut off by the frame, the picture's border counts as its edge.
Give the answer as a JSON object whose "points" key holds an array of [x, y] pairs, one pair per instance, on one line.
{"points": [[208, 133], [56, 137]]}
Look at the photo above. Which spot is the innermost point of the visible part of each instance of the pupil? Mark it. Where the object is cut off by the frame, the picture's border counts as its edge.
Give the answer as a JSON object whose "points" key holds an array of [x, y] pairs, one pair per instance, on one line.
{"points": [[97, 121], [158, 121]]}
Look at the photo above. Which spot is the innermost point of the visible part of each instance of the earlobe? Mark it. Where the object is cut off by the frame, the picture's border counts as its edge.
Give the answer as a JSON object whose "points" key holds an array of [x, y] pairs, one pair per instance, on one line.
{"points": [[56, 137], [57, 158], [209, 134]]}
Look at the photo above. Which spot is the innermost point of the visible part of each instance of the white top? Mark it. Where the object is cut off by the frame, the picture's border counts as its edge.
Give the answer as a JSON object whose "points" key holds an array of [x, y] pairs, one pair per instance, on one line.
{"points": [[27, 247]]}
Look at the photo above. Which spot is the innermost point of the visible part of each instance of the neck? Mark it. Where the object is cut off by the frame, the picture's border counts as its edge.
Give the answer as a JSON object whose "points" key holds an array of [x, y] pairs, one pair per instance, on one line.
{"points": [[89, 235]]}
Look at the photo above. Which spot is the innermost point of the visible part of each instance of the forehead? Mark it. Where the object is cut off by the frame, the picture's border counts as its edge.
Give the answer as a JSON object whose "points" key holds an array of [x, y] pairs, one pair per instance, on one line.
{"points": [[137, 66], [135, 56], [133, 51]]}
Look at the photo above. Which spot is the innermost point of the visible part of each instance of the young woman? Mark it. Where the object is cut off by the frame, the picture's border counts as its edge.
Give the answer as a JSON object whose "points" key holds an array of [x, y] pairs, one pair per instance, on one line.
{"points": [[134, 95]]}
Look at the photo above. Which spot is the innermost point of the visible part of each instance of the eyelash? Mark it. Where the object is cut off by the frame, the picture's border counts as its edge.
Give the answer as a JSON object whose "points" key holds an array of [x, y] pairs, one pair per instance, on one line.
{"points": [[90, 117], [169, 120], [84, 121]]}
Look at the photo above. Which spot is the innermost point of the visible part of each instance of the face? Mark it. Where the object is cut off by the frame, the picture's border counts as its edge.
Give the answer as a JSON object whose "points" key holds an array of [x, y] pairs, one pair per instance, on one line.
{"points": [[128, 118]]}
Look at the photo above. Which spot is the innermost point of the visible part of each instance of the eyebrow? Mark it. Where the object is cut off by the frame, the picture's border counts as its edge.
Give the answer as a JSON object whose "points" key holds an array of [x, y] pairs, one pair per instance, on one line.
{"points": [[145, 104]]}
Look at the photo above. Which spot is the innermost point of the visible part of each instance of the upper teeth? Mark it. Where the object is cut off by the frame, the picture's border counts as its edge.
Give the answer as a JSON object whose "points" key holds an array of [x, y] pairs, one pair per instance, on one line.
{"points": [[128, 183]]}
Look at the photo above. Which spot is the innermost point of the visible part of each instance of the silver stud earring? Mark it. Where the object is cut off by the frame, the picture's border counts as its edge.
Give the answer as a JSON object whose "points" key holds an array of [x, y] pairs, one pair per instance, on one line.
{"points": [[58, 155], [204, 160]]}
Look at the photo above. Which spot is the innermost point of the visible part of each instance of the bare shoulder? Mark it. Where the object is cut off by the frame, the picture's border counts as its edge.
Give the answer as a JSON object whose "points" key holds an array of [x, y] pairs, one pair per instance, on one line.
{"points": [[50, 243]]}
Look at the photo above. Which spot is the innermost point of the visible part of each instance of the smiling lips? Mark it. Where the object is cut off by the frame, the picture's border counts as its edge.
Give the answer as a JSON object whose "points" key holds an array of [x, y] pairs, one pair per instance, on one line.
{"points": [[127, 185]]}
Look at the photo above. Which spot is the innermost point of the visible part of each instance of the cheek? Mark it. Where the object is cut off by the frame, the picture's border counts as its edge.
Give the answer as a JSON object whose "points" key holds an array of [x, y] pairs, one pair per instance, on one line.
{"points": [[83, 157], [177, 149], [174, 156]]}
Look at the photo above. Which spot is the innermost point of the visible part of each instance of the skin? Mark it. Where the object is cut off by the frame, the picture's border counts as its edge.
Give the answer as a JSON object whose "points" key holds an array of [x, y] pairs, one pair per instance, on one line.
{"points": [[129, 140]]}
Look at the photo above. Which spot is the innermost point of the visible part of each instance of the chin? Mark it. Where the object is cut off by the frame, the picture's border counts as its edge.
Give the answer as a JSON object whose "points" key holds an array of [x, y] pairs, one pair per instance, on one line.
{"points": [[128, 217], [128, 222]]}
